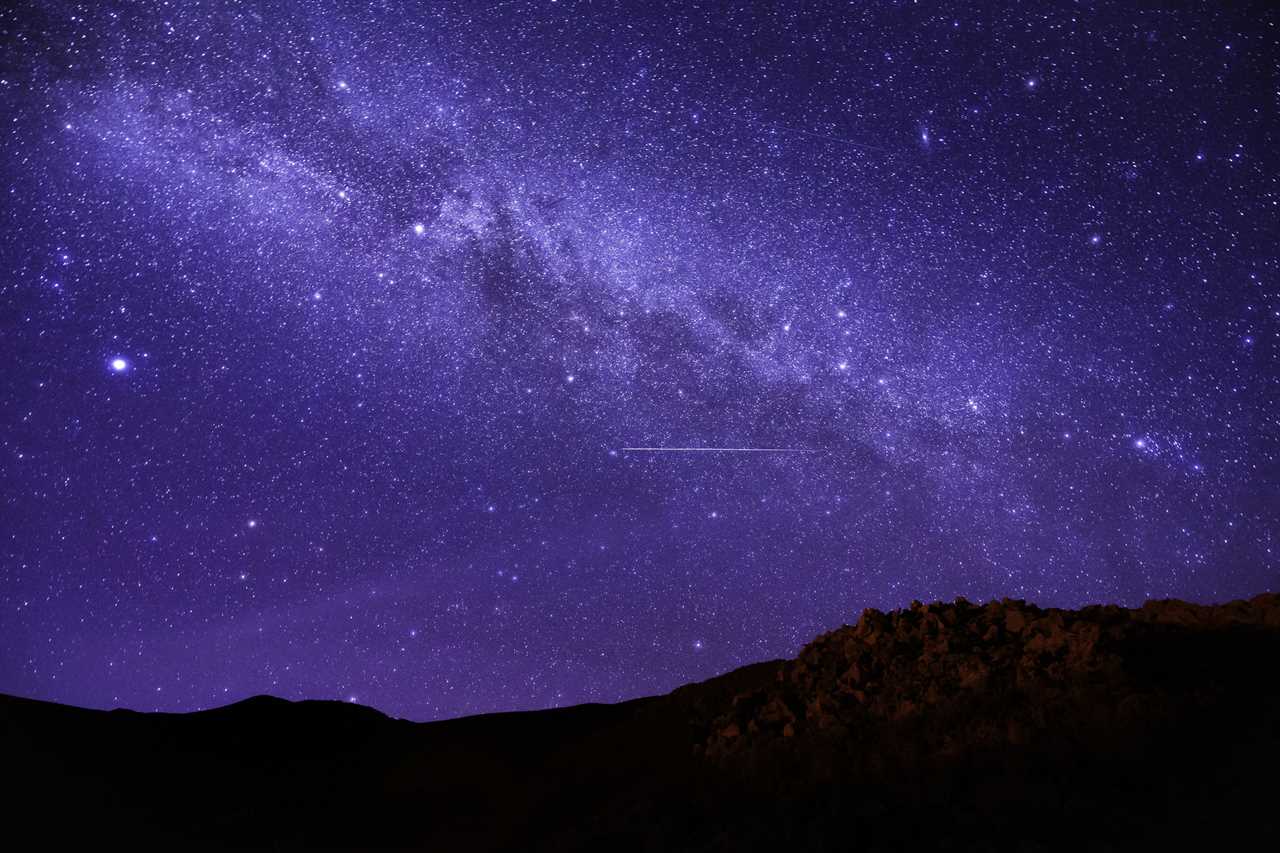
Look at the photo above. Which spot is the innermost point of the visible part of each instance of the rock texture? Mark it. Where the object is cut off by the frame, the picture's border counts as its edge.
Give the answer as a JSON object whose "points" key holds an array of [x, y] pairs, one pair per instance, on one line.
{"points": [[962, 676], [941, 727]]}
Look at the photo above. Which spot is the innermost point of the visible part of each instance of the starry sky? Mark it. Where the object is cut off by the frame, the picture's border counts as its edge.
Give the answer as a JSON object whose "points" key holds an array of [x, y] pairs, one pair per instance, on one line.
{"points": [[327, 328]]}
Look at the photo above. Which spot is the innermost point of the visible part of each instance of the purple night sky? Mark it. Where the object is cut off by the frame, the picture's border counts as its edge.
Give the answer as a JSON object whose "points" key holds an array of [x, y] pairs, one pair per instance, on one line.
{"points": [[326, 326]]}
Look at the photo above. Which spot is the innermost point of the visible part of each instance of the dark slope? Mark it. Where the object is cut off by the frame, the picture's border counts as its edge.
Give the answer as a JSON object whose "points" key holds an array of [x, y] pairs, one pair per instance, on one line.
{"points": [[268, 772], [947, 726]]}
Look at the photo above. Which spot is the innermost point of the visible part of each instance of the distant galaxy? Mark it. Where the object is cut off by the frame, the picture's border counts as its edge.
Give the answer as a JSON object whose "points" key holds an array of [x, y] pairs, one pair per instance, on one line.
{"points": [[331, 332]]}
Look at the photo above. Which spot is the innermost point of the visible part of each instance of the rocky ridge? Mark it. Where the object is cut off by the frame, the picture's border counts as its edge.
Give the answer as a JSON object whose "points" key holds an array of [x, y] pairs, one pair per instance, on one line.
{"points": [[961, 677], [953, 726]]}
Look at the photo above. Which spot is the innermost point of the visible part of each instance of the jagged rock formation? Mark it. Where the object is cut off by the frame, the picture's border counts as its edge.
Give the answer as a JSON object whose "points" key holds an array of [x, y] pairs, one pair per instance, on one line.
{"points": [[945, 726], [962, 677]]}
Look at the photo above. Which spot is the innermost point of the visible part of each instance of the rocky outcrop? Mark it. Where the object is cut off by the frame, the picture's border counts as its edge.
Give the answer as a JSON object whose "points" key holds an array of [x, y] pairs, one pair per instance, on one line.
{"points": [[942, 727], [954, 678]]}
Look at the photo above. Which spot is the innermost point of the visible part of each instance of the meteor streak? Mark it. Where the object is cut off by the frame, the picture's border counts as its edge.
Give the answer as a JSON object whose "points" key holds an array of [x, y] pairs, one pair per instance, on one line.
{"points": [[719, 450]]}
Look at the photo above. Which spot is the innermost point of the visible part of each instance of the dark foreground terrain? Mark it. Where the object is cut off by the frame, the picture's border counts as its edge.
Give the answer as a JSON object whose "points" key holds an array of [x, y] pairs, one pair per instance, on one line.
{"points": [[945, 726]]}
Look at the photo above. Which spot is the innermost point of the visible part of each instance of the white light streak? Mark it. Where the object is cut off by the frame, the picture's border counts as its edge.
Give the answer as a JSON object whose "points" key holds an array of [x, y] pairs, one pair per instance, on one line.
{"points": [[719, 450]]}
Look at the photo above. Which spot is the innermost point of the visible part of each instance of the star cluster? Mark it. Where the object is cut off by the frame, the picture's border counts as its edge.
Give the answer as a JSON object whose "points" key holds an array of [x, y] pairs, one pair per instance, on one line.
{"points": [[328, 326]]}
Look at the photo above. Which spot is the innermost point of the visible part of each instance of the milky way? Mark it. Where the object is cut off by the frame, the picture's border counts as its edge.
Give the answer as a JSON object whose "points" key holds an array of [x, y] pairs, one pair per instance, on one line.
{"points": [[325, 327]]}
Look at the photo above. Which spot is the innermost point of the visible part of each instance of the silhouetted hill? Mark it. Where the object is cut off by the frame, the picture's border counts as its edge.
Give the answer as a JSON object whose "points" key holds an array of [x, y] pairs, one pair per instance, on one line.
{"points": [[946, 726]]}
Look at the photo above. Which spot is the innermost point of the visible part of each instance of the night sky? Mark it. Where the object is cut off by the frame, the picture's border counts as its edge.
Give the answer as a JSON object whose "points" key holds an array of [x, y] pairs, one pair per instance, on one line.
{"points": [[326, 328]]}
